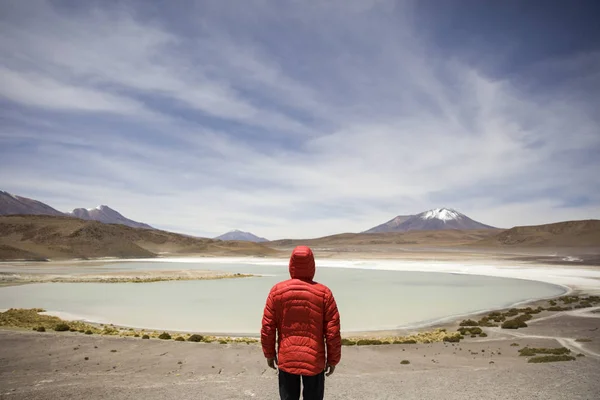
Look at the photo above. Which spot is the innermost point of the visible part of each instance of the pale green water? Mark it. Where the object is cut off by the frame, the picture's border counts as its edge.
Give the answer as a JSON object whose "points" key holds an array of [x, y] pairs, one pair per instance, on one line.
{"points": [[367, 299]]}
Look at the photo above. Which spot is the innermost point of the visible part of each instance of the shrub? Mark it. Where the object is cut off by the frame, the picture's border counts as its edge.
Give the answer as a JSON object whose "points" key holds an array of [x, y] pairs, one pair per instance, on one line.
{"points": [[145, 337], [580, 355], [583, 340], [72, 330], [485, 322], [515, 344], [552, 302], [532, 351], [405, 341], [109, 331], [452, 339], [62, 327], [514, 324], [179, 339], [367, 342], [164, 336], [584, 304], [559, 308], [81, 331], [469, 322], [470, 331], [40, 329], [483, 334], [195, 338], [404, 362], [569, 299], [511, 313], [524, 317], [551, 358], [136, 335], [348, 342], [88, 332]]}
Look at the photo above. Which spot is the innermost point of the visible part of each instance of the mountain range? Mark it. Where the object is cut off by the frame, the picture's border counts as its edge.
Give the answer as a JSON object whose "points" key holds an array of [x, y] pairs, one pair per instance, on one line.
{"points": [[241, 236], [11, 204], [43, 237], [431, 220], [107, 215], [41, 232]]}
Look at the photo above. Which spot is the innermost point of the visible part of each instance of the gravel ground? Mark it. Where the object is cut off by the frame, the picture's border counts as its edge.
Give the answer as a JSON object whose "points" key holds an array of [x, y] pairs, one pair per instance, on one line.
{"points": [[54, 366]]}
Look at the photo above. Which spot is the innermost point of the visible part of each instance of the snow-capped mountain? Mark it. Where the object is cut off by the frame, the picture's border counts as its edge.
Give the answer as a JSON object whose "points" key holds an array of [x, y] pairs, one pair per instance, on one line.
{"points": [[107, 215], [241, 236], [389, 226], [436, 219], [11, 204]]}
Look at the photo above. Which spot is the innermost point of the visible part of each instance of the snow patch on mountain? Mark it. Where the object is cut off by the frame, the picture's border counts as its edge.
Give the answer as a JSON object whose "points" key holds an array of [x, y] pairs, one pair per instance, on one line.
{"points": [[443, 214]]}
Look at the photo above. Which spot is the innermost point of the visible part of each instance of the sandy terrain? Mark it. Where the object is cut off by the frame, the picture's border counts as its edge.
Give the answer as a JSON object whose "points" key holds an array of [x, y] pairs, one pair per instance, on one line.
{"points": [[50, 365], [9, 278], [53, 366]]}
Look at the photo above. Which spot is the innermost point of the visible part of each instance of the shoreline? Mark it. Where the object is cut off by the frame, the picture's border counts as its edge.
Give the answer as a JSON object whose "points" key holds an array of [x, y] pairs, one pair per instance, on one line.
{"points": [[418, 328], [13, 279], [585, 281]]}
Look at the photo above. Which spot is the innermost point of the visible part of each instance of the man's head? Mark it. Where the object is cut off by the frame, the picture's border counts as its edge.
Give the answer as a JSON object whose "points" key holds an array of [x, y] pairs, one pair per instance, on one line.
{"points": [[302, 263]]}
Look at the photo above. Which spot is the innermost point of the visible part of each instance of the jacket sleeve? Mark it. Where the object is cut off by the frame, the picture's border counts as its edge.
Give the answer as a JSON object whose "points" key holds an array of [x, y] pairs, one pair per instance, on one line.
{"points": [[269, 328], [333, 338]]}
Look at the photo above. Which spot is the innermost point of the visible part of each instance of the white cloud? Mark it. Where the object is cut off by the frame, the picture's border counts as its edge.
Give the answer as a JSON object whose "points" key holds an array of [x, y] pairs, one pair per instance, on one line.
{"points": [[34, 90], [337, 123]]}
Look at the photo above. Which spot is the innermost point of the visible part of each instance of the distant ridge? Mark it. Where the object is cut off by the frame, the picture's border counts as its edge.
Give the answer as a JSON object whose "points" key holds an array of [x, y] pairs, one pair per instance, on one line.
{"points": [[43, 237], [241, 236], [585, 233], [11, 204], [107, 215], [431, 220]]}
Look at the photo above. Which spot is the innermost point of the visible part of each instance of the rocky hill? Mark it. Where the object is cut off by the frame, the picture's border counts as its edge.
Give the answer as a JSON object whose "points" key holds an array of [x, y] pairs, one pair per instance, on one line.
{"points": [[35, 237], [241, 236], [13, 204], [584, 233]]}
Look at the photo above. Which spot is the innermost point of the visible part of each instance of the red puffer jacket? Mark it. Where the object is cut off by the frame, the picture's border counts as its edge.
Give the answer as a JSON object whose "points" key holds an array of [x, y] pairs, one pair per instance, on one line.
{"points": [[305, 316]]}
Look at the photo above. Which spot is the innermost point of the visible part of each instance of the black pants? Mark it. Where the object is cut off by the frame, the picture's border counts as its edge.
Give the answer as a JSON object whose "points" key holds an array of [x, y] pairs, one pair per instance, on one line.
{"points": [[313, 386]]}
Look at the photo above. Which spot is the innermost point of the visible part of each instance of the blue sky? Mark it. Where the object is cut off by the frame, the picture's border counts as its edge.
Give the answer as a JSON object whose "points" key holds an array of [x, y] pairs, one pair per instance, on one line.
{"points": [[302, 119]]}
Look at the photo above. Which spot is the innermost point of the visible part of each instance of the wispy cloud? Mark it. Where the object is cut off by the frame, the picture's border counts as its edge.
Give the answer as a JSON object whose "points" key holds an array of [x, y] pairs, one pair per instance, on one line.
{"points": [[288, 119]]}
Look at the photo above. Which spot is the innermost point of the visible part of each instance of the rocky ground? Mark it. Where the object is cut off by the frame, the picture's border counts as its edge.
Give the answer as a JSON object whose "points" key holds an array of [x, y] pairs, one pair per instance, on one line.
{"points": [[53, 365]]}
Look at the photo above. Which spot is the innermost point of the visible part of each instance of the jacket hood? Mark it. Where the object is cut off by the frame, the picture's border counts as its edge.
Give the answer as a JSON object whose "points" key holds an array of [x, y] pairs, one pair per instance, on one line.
{"points": [[302, 263]]}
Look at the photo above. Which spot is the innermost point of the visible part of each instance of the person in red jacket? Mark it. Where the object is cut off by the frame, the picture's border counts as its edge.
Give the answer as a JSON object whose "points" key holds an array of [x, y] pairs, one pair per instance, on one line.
{"points": [[304, 316]]}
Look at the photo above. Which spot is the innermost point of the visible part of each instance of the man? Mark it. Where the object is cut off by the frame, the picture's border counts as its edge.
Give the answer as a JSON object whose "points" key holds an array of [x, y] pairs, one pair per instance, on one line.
{"points": [[305, 318]]}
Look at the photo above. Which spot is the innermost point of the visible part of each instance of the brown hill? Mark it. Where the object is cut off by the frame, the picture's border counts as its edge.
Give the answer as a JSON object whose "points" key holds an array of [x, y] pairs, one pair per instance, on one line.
{"points": [[35, 237], [562, 234], [389, 239]]}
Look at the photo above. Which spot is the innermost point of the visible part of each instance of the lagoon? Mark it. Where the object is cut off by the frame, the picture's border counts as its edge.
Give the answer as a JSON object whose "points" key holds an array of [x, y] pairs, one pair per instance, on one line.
{"points": [[368, 299]]}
